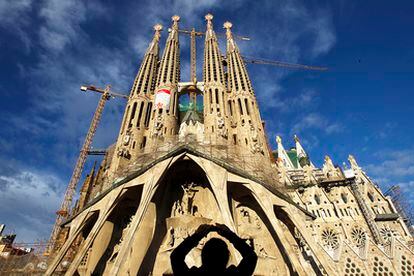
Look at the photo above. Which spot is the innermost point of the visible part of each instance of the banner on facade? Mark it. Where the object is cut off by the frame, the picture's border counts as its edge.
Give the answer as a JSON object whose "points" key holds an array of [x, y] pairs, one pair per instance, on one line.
{"points": [[162, 99]]}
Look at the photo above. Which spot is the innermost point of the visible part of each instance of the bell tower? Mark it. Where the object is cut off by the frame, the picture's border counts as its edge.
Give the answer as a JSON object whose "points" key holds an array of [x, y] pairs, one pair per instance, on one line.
{"points": [[133, 134], [164, 118], [215, 114], [247, 125]]}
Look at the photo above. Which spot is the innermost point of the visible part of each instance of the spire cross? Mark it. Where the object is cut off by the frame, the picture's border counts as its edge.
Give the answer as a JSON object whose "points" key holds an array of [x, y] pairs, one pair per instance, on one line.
{"points": [[209, 18], [157, 29], [227, 25], [175, 20]]}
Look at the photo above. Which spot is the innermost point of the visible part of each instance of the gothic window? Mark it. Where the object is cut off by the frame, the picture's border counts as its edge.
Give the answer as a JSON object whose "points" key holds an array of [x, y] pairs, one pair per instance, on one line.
{"points": [[148, 114], [344, 197], [240, 106], [144, 142], [141, 108], [381, 269], [371, 197], [407, 267], [351, 269], [230, 108], [359, 236], [387, 234], [317, 199], [330, 239], [247, 106], [134, 109], [234, 139]]}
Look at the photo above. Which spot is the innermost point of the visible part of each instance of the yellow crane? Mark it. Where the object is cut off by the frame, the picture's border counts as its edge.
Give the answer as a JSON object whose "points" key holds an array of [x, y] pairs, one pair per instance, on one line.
{"points": [[66, 205]]}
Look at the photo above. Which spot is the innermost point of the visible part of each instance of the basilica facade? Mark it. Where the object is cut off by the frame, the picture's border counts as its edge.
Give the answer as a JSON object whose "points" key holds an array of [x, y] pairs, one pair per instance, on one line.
{"points": [[175, 167]]}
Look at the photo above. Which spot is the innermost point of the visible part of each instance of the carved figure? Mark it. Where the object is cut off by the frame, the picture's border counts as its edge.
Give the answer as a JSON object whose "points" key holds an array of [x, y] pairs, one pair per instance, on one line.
{"points": [[158, 126], [221, 126], [255, 145], [187, 201]]}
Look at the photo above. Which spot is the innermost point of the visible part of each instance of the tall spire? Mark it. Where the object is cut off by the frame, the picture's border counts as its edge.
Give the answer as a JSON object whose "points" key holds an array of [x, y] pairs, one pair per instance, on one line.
{"points": [[243, 109], [132, 136], [169, 72], [214, 86], [238, 78], [144, 81], [164, 112]]}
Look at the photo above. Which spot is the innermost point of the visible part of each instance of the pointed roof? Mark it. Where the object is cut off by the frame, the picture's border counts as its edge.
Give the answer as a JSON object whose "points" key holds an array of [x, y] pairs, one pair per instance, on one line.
{"points": [[303, 157], [231, 45], [282, 154], [153, 48], [145, 77]]}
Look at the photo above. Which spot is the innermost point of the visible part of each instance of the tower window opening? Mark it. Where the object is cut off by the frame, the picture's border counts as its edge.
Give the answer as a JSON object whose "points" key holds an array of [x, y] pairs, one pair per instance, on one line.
{"points": [[344, 198], [245, 139], [160, 111], [144, 142], [133, 145], [247, 106], [234, 139], [230, 108], [141, 108], [148, 114], [134, 109], [240, 106], [371, 197], [317, 199]]}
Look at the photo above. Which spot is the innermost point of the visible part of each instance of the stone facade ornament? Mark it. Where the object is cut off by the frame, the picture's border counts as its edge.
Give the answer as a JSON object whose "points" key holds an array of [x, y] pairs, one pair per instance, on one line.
{"points": [[256, 146], [221, 126], [158, 123]]}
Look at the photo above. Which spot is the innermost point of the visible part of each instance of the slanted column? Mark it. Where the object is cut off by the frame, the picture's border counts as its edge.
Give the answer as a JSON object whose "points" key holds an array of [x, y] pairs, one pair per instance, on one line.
{"points": [[133, 135], [164, 114], [246, 117], [216, 120]]}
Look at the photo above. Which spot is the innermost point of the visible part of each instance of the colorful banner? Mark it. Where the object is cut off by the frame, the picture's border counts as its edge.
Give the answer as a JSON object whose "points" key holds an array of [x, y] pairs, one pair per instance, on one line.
{"points": [[162, 99]]}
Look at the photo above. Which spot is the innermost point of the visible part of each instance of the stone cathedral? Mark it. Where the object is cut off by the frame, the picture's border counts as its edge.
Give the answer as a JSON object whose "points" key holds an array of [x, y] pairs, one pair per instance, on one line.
{"points": [[176, 166]]}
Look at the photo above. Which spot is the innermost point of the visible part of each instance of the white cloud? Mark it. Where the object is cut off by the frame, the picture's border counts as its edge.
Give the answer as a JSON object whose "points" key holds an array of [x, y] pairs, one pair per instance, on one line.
{"points": [[316, 121], [29, 200], [394, 164], [14, 17]]}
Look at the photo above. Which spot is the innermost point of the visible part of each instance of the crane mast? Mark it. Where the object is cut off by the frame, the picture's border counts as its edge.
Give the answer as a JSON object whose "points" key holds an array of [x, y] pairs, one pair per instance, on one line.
{"points": [[64, 210]]}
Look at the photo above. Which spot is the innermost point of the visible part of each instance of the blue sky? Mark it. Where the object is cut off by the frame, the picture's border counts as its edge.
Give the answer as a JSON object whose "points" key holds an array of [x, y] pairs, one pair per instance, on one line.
{"points": [[362, 106]]}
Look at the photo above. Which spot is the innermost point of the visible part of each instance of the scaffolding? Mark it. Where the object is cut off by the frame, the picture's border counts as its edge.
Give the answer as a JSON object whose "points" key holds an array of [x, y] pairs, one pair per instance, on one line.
{"points": [[402, 206], [238, 159], [24, 259]]}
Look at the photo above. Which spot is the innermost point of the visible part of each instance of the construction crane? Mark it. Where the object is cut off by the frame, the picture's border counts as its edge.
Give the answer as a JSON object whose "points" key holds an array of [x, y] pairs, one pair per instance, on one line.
{"points": [[283, 64], [193, 56], [64, 210], [193, 73]]}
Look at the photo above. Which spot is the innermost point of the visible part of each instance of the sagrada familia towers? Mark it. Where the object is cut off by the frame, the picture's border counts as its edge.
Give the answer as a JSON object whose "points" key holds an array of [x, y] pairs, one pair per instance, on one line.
{"points": [[175, 167]]}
